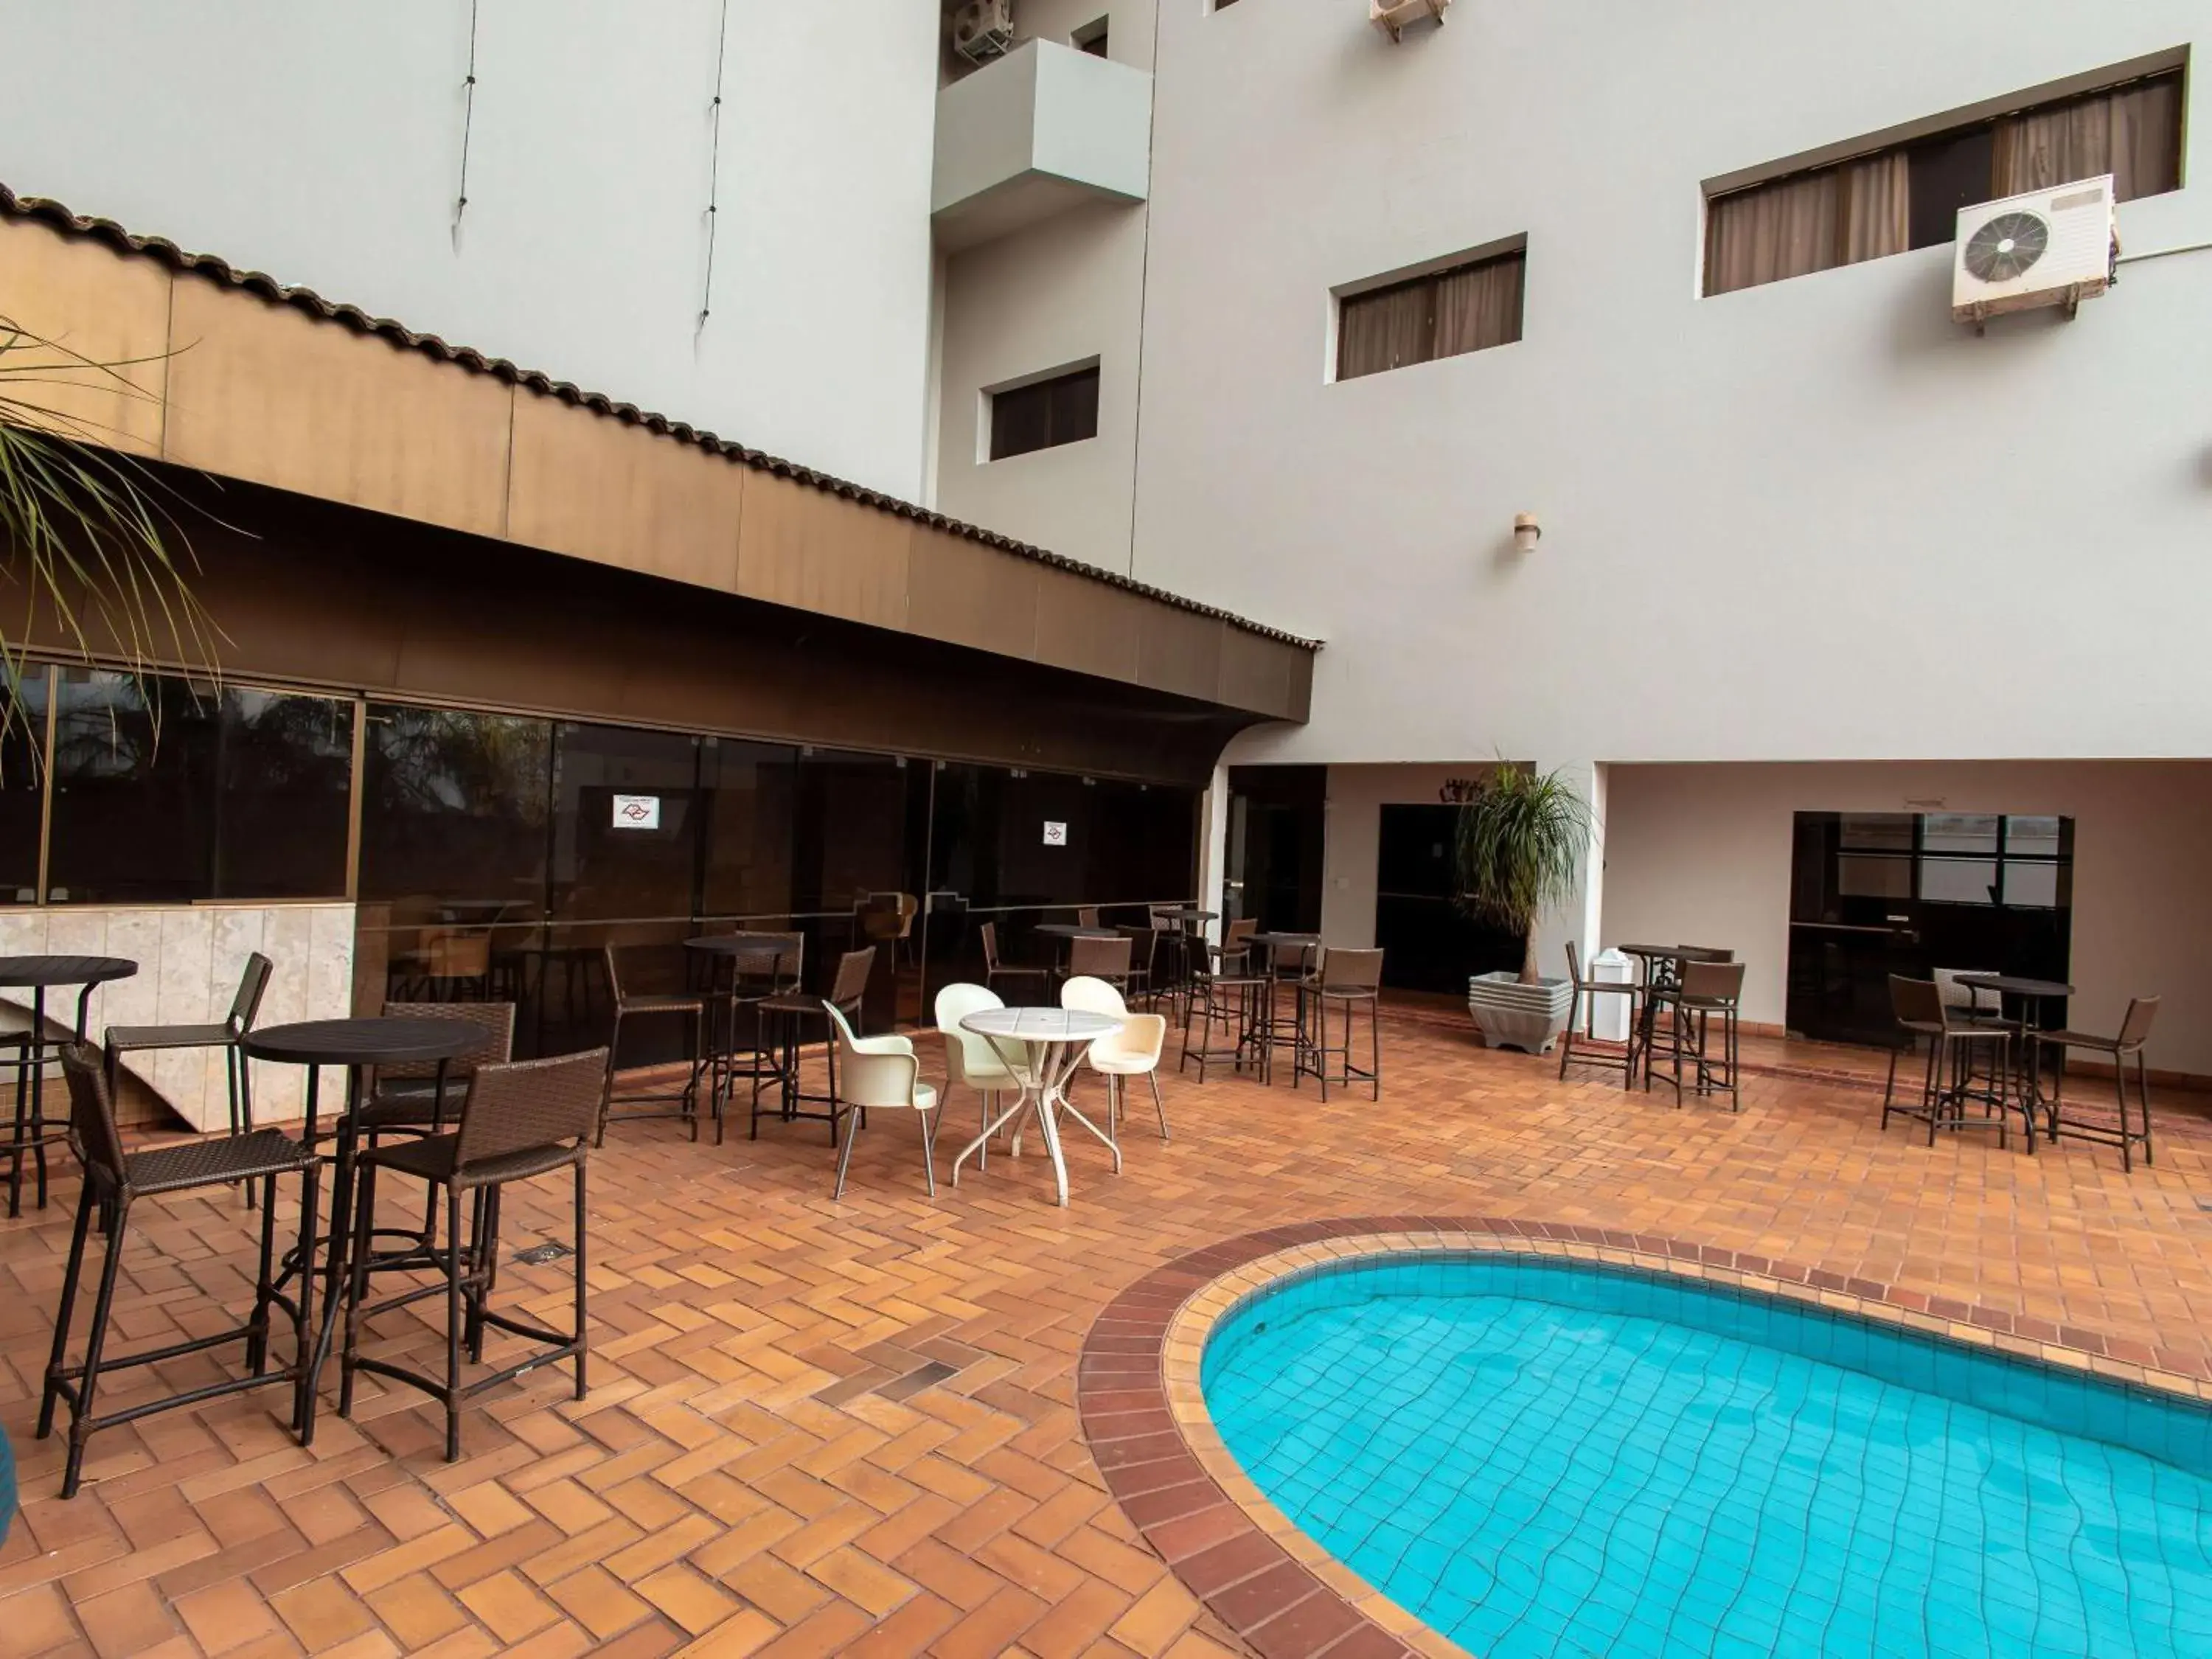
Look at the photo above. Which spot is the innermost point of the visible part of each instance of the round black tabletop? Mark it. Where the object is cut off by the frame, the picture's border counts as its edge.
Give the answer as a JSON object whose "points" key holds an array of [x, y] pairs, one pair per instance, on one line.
{"points": [[2012, 985], [18, 972], [743, 945], [381, 1040], [1187, 913], [1075, 930]]}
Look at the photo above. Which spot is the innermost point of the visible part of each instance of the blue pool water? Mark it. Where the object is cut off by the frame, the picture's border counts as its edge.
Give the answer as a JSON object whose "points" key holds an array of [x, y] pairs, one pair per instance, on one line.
{"points": [[1542, 1458]]}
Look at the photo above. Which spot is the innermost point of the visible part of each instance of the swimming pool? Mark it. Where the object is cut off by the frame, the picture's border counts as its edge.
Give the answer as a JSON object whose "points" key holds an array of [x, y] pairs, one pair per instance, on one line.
{"points": [[1539, 1456]]}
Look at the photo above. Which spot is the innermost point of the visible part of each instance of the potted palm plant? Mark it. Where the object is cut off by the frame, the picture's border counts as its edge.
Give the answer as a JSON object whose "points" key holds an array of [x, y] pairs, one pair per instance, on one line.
{"points": [[1521, 838]]}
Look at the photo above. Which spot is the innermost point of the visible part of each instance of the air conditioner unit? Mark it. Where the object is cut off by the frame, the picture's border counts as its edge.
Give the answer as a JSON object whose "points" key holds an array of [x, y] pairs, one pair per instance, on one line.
{"points": [[1391, 16], [2048, 248], [983, 29]]}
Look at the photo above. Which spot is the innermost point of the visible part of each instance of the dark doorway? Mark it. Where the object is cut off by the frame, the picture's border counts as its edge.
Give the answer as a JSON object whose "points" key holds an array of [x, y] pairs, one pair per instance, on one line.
{"points": [[1277, 824], [1873, 894], [1429, 943]]}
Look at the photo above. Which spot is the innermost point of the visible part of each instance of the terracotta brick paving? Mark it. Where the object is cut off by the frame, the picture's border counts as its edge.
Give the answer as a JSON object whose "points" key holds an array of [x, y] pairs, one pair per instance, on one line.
{"points": [[820, 1428]]}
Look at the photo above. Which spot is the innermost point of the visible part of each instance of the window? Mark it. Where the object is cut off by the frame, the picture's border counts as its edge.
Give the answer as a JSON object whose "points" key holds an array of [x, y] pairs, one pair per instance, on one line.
{"points": [[1908, 196], [169, 791], [1091, 38], [1464, 307], [1044, 414], [22, 785]]}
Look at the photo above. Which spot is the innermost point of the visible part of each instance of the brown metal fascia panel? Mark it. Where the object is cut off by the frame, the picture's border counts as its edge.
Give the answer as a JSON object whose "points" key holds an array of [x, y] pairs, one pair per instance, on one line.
{"points": [[617, 494], [267, 392], [1261, 674], [99, 306], [800, 547], [966, 593], [1181, 653], [1089, 627]]}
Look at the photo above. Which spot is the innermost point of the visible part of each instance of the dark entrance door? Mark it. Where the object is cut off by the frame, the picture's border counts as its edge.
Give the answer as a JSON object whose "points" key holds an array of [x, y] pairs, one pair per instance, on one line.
{"points": [[1429, 943], [1276, 827], [1873, 894]]}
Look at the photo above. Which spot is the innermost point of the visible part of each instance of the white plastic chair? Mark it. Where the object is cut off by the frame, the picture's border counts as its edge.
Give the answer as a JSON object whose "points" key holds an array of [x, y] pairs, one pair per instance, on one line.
{"points": [[879, 1071], [969, 1059], [1133, 1050]]}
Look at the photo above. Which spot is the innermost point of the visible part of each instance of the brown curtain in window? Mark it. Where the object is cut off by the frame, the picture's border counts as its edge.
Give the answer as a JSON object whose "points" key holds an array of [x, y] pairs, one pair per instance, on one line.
{"points": [[1480, 306], [1772, 231], [1385, 329], [1877, 201], [2133, 133]]}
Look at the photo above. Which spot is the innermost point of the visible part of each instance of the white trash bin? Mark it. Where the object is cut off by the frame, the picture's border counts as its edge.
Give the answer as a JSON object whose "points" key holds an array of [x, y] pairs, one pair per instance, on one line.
{"points": [[1608, 1017]]}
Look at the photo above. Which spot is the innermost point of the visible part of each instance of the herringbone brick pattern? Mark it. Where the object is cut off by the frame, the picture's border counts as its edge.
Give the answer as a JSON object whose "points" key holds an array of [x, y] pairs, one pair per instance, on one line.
{"points": [[820, 1428]]}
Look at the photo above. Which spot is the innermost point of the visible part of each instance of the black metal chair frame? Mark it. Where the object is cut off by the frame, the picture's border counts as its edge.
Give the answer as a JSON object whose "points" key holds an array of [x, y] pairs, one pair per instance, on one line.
{"points": [[1232, 1001], [790, 1013], [115, 1180], [995, 968], [245, 1008], [1581, 1016], [1313, 1057], [683, 1104], [498, 1111], [1944, 1091], [2127, 1045], [730, 1006], [1691, 1011]]}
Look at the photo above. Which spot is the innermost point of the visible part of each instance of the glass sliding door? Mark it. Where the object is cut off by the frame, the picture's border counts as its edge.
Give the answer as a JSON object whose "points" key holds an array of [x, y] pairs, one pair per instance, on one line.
{"points": [[22, 786]]}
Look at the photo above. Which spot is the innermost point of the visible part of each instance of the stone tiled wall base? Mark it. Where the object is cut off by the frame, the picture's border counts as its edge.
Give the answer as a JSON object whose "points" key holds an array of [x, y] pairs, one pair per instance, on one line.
{"points": [[1144, 1415], [189, 959]]}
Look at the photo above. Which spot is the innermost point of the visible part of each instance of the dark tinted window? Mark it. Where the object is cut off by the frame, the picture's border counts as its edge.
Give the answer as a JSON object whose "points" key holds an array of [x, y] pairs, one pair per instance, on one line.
{"points": [[454, 805], [23, 787], [1061, 410], [169, 791], [625, 822], [750, 801]]}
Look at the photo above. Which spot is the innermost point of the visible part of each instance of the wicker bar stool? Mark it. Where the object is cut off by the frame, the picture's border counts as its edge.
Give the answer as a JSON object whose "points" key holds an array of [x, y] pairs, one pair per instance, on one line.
{"points": [[114, 1180], [1955, 1041], [1705, 990], [1581, 1015], [1348, 981], [2135, 1031], [1144, 955], [1100, 958], [791, 1013], [743, 1050], [519, 1120], [631, 1003], [245, 1008]]}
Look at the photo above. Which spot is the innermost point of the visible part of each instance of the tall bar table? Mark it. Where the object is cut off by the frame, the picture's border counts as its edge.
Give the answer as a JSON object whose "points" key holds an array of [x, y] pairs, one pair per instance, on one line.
{"points": [[38, 976], [357, 1045]]}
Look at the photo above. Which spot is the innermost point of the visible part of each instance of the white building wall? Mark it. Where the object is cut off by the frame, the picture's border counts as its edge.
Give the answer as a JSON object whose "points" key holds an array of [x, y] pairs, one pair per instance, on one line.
{"points": [[1700, 855], [1813, 520], [322, 144]]}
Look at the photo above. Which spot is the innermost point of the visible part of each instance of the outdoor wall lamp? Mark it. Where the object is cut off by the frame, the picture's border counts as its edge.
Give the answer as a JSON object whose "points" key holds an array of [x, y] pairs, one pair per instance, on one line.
{"points": [[1527, 532]]}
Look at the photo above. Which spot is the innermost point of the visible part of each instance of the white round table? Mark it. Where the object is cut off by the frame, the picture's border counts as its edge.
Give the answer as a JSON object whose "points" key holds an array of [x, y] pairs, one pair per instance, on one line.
{"points": [[1041, 1047]]}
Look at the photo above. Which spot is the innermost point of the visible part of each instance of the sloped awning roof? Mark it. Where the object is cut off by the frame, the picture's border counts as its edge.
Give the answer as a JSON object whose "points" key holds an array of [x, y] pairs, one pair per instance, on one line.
{"points": [[242, 376]]}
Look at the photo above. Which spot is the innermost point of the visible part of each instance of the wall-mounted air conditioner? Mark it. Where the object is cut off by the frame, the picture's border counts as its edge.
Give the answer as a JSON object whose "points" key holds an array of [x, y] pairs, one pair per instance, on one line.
{"points": [[1391, 16], [983, 29], [2048, 248]]}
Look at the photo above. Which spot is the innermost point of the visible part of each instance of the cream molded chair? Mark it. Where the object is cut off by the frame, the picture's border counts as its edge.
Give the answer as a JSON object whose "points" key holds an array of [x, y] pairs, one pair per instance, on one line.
{"points": [[970, 1059], [881, 1071], [1132, 1051]]}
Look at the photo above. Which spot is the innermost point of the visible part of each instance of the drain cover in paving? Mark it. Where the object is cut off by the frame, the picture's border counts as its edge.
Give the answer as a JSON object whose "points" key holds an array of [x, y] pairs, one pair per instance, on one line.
{"points": [[539, 1255]]}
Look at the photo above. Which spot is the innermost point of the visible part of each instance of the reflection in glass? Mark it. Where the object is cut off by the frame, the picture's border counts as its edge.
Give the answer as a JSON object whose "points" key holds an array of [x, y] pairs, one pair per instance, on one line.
{"points": [[1961, 832], [454, 808], [625, 825], [749, 789], [1959, 881], [1878, 878], [287, 783], [2031, 885], [2034, 838], [1878, 832], [22, 787], [135, 769]]}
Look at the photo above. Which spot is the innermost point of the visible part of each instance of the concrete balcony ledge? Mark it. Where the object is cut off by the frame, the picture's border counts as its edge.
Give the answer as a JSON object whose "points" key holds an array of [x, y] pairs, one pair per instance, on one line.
{"points": [[1042, 129]]}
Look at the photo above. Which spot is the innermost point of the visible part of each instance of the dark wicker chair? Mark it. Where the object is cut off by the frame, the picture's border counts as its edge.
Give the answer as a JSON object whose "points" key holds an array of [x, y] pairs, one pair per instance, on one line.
{"points": [[114, 1180], [2135, 1031], [223, 1034], [633, 1002], [1706, 991], [1956, 1041], [996, 969], [1582, 1013], [1100, 958], [406, 1097], [792, 1015], [520, 1120], [1349, 981]]}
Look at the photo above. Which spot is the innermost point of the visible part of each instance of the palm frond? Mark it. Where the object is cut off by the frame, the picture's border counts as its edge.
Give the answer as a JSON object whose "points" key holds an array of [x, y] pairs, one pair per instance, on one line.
{"points": [[1521, 839]]}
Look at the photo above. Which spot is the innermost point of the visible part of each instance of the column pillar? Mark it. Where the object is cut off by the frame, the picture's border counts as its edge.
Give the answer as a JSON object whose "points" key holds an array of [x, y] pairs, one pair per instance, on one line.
{"points": [[1578, 916], [1213, 845]]}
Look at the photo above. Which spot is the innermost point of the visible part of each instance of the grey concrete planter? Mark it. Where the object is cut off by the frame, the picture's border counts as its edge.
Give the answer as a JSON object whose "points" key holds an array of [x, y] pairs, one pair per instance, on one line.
{"points": [[1512, 1015]]}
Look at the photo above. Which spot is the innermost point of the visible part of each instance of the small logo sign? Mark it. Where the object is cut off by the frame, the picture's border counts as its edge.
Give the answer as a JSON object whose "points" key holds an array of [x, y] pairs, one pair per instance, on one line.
{"points": [[637, 811], [1055, 833]]}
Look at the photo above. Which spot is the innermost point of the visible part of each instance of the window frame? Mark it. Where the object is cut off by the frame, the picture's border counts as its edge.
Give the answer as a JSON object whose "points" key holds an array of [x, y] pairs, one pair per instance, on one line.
{"points": [[988, 451], [1433, 273]]}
